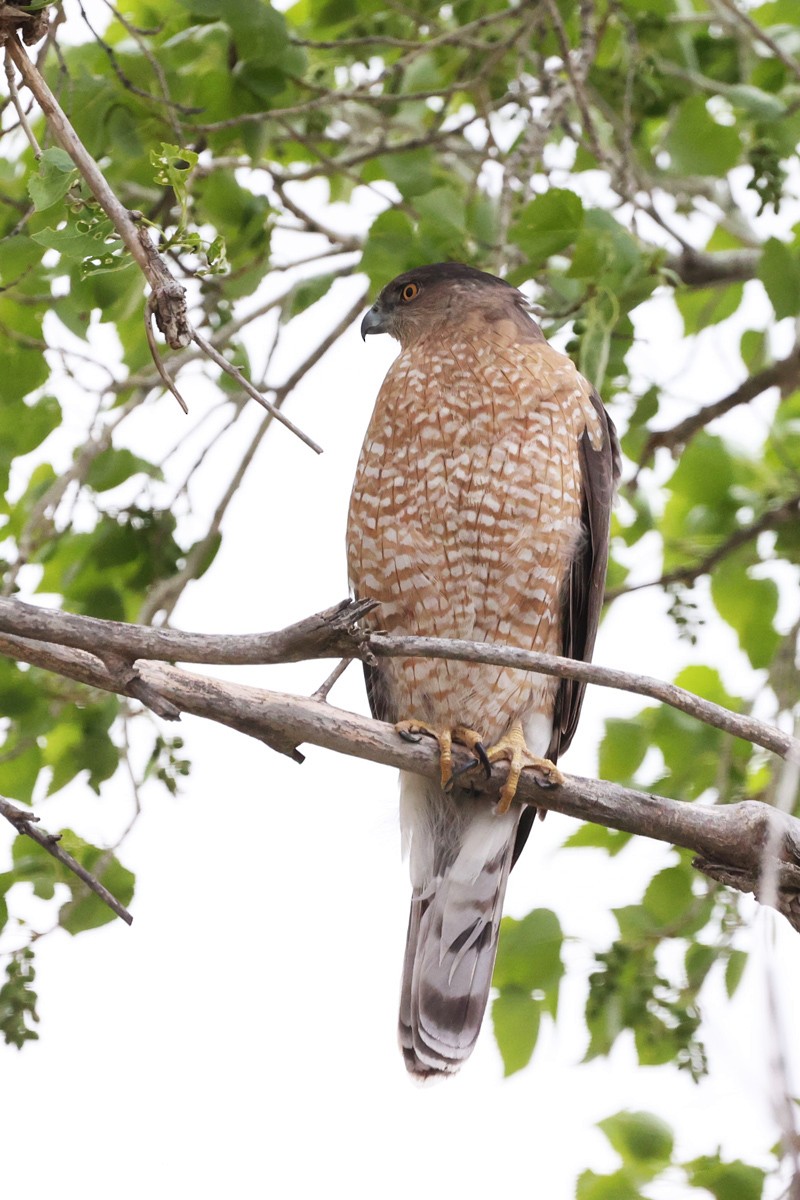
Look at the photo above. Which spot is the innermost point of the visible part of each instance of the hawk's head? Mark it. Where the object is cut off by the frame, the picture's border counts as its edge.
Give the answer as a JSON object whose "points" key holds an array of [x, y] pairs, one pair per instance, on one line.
{"points": [[420, 301]]}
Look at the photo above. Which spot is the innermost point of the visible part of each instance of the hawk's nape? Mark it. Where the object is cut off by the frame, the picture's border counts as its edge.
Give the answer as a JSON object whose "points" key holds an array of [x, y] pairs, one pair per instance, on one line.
{"points": [[480, 510]]}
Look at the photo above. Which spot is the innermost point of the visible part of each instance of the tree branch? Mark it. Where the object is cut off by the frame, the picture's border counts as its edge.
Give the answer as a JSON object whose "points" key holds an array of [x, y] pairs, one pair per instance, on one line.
{"points": [[333, 633], [698, 269], [773, 518], [168, 299], [25, 822], [730, 838], [169, 296], [780, 374], [730, 841]]}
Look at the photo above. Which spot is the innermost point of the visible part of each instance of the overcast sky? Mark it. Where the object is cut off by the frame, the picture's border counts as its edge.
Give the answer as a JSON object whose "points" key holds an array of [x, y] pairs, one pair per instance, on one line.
{"points": [[239, 1039]]}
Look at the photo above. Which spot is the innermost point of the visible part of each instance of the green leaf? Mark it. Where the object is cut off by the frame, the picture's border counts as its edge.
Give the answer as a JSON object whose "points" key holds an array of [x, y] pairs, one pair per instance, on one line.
{"points": [[622, 749], [56, 175], [726, 1180], [698, 961], [699, 145], [19, 772], [617, 1186], [779, 271], [754, 349], [547, 224], [112, 467], [529, 953], [749, 605], [515, 1016], [734, 969], [590, 836], [18, 1000], [701, 307], [641, 1139], [390, 248], [304, 294], [17, 255], [707, 682], [669, 895]]}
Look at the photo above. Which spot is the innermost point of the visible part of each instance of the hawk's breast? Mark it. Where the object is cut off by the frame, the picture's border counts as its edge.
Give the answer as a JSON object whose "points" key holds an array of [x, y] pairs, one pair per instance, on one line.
{"points": [[465, 515]]}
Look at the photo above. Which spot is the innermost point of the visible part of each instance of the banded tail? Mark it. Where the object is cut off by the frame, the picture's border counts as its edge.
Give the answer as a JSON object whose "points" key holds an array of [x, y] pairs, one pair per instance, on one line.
{"points": [[460, 857]]}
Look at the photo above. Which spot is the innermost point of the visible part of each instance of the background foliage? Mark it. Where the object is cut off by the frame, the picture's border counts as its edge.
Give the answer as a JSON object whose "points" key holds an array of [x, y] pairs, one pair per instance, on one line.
{"points": [[612, 157]]}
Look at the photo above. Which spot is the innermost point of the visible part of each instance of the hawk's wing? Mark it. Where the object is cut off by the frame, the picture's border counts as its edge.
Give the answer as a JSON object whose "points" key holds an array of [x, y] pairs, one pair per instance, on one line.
{"points": [[382, 706], [583, 594], [582, 599]]}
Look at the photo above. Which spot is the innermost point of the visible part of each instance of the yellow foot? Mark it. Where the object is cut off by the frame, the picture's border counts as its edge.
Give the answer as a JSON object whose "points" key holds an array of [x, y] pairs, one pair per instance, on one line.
{"points": [[512, 746], [410, 730]]}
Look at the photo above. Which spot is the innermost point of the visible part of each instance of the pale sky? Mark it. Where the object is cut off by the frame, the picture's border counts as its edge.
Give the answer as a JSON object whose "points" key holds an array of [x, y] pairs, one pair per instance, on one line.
{"points": [[239, 1039]]}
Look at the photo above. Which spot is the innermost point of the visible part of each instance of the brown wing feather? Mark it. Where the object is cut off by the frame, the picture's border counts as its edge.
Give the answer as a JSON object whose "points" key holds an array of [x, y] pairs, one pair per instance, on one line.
{"points": [[583, 593]]}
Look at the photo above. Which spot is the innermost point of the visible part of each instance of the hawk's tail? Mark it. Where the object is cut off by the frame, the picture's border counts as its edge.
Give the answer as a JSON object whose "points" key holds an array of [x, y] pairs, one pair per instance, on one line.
{"points": [[460, 858]]}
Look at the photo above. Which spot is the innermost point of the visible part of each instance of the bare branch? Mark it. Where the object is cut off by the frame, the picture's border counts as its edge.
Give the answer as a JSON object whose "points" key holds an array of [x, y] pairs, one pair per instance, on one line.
{"points": [[333, 634], [734, 835], [785, 372], [323, 635], [21, 114], [222, 362], [168, 300], [698, 269], [25, 822], [737, 724], [773, 518], [170, 297], [729, 841]]}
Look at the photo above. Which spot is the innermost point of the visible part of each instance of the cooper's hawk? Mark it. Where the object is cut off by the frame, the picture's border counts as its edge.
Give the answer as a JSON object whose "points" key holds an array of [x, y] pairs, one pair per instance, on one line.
{"points": [[480, 510]]}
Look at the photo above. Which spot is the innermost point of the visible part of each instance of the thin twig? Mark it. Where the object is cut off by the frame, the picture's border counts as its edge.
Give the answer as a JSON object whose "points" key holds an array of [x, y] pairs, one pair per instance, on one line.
{"points": [[222, 362], [779, 374], [771, 519], [25, 822], [15, 100], [338, 671]]}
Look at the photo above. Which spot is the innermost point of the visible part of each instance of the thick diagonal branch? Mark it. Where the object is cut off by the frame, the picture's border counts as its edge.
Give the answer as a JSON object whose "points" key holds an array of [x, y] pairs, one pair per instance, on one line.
{"points": [[730, 838], [333, 633], [729, 841]]}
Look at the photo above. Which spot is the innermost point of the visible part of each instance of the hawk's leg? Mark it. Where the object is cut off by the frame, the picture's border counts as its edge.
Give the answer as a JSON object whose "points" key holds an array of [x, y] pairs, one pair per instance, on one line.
{"points": [[445, 737], [512, 746]]}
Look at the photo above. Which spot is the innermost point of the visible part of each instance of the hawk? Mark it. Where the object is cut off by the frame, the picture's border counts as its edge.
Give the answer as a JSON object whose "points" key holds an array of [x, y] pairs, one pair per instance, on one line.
{"points": [[480, 510]]}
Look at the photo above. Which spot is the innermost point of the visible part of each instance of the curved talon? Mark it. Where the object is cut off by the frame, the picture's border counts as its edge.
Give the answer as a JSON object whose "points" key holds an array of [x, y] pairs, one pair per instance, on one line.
{"points": [[408, 736], [483, 758], [512, 747], [411, 731]]}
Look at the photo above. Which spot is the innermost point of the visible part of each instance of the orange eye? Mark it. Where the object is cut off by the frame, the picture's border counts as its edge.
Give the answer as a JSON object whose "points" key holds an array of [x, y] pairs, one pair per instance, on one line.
{"points": [[410, 291]]}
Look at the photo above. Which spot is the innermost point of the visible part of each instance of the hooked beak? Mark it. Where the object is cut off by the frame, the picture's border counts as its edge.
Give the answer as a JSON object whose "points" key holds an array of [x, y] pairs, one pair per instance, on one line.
{"points": [[374, 321]]}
